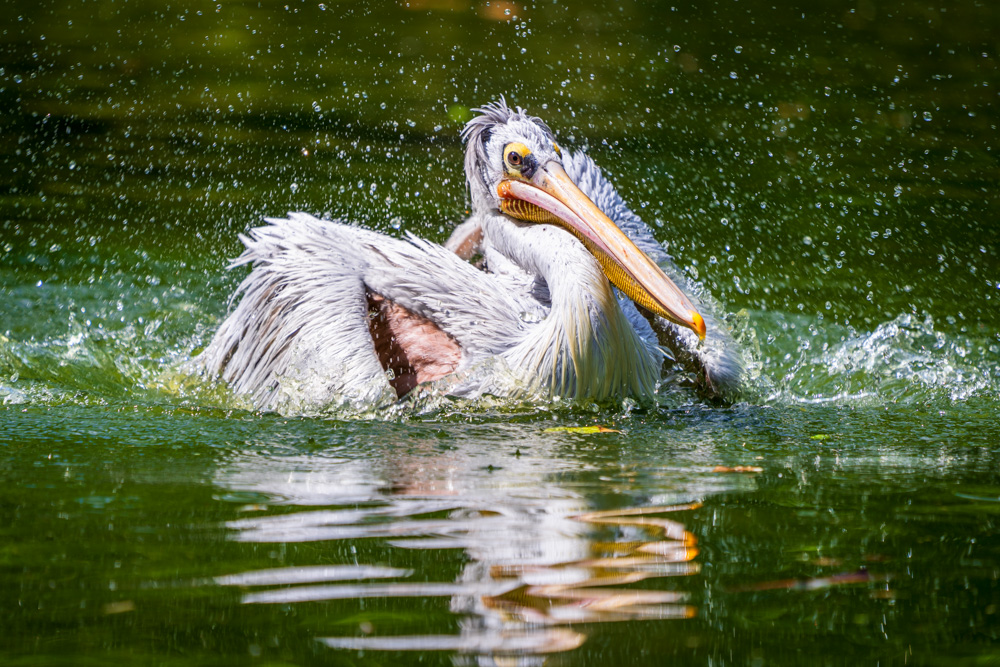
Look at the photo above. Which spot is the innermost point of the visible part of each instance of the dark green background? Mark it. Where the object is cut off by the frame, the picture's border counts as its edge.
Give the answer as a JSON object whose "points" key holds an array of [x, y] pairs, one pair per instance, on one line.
{"points": [[829, 172]]}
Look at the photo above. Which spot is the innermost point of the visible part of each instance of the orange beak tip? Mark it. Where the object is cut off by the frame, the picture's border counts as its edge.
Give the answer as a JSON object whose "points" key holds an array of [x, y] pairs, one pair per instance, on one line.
{"points": [[699, 324]]}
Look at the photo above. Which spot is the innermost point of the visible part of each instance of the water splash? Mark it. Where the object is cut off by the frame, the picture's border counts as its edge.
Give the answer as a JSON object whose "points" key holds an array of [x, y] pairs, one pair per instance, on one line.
{"points": [[94, 365], [906, 359], [909, 359]]}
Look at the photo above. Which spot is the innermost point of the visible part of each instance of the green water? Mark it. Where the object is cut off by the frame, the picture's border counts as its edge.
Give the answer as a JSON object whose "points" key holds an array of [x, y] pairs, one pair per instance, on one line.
{"points": [[830, 174]]}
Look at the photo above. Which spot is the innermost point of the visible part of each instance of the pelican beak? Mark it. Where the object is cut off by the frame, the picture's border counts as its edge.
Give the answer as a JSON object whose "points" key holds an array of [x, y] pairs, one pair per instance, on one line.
{"points": [[550, 196]]}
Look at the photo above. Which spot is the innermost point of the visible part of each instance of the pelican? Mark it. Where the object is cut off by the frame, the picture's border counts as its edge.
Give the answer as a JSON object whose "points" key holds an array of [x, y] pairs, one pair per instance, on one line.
{"points": [[569, 298]]}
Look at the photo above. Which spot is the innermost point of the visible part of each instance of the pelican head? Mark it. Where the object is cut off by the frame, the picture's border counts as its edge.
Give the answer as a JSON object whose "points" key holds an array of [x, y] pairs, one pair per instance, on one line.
{"points": [[514, 169]]}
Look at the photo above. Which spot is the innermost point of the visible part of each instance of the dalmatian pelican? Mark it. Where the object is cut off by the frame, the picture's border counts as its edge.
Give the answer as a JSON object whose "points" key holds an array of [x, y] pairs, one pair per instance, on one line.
{"points": [[570, 296]]}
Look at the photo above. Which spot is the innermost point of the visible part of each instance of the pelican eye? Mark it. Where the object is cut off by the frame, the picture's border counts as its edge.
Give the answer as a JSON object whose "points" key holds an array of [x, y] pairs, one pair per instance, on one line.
{"points": [[515, 156]]}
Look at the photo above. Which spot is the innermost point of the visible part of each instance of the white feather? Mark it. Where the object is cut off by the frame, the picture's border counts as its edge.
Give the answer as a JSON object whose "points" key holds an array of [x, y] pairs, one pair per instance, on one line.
{"points": [[542, 320]]}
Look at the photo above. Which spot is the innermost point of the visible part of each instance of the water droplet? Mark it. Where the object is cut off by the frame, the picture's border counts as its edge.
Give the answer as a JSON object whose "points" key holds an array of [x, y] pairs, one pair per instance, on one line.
{"points": [[738, 49], [927, 115], [732, 75], [294, 188]]}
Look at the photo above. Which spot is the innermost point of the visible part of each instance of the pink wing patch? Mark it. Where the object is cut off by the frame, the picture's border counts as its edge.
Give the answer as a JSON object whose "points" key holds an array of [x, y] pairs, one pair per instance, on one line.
{"points": [[412, 347]]}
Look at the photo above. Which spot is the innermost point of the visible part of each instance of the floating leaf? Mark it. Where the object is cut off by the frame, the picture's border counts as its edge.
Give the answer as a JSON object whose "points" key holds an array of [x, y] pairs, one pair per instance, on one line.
{"points": [[861, 576], [737, 469], [118, 607], [819, 436], [580, 429]]}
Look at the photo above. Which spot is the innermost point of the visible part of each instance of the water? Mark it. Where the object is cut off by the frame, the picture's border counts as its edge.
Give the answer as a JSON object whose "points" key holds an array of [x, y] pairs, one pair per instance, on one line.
{"points": [[829, 174]]}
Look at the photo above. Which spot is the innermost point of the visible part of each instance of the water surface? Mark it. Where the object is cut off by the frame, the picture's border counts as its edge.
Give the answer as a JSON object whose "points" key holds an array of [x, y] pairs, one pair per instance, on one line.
{"points": [[829, 174]]}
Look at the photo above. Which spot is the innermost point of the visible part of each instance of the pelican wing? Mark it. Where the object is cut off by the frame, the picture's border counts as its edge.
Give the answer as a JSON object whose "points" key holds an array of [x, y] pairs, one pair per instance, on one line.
{"points": [[301, 337]]}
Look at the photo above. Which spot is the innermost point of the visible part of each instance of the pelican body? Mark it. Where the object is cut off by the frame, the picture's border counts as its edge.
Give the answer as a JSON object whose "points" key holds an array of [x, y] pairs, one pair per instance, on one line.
{"points": [[570, 296]]}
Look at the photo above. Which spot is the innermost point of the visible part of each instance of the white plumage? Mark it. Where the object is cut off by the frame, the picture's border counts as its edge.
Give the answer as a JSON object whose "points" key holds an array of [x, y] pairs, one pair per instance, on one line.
{"points": [[538, 320]]}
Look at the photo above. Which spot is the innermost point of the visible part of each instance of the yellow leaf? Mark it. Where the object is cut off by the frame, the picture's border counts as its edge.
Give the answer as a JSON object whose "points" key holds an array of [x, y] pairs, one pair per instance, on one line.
{"points": [[737, 469], [580, 429]]}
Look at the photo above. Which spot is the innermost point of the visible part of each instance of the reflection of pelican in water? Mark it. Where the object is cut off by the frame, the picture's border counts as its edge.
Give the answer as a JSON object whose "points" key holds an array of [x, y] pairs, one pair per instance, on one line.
{"points": [[534, 559], [334, 315]]}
